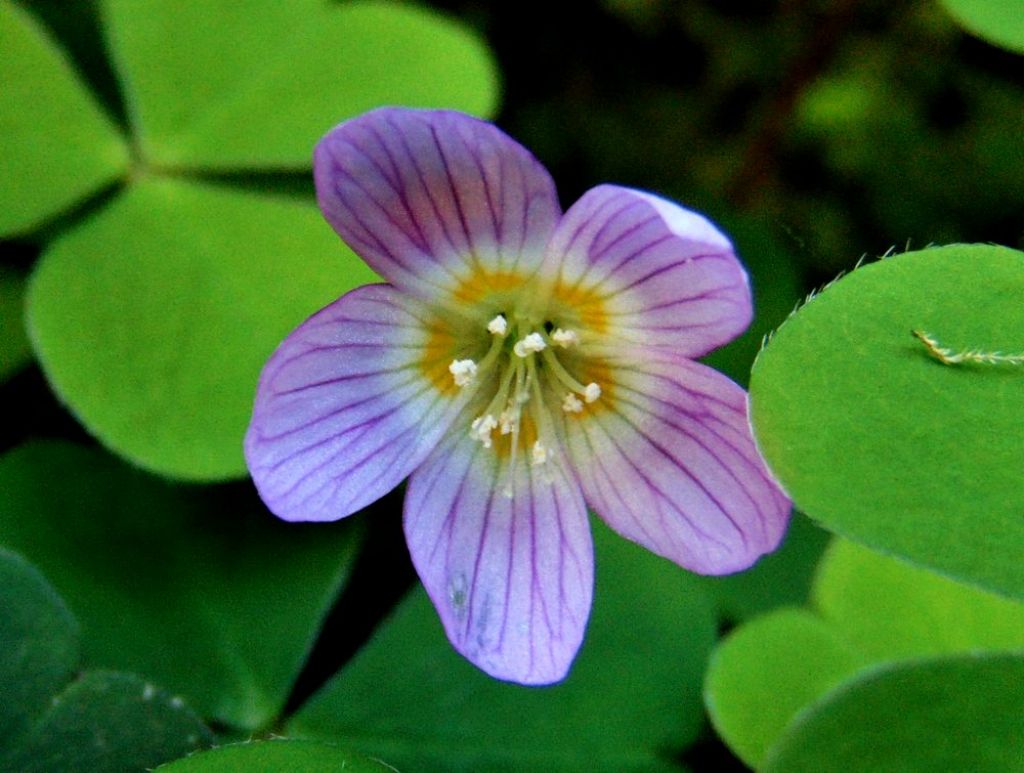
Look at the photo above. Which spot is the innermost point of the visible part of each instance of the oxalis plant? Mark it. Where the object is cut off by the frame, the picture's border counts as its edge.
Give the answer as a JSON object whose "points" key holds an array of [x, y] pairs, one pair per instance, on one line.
{"points": [[336, 437]]}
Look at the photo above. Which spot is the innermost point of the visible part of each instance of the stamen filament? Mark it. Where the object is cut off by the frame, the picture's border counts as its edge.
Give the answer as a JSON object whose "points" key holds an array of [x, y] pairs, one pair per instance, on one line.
{"points": [[590, 392], [521, 378], [519, 384], [501, 399], [541, 418]]}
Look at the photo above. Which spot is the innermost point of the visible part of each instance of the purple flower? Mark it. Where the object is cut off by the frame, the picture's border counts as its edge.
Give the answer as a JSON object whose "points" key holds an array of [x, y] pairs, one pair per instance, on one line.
{"points": [[519, 363]]}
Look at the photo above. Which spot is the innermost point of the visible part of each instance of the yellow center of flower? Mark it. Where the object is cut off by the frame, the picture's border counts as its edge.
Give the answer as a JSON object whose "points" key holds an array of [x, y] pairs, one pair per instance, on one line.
{"points": [[524, 366]]}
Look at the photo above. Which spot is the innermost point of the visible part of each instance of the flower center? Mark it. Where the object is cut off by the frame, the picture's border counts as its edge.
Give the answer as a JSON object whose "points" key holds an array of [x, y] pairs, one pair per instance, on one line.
{"points": [[523, 364]]}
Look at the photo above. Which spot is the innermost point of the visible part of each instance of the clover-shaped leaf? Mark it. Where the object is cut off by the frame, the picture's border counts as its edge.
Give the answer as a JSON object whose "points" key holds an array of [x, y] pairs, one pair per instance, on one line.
{"points": [[962, 712], [276, 756], [630, 702], [289, 72], [210, 596], [869, 609], [887, 608], [152, 318], [56, 144], [768, 670], [998, 21], [40, 652], [877, 439], [51, 720]]}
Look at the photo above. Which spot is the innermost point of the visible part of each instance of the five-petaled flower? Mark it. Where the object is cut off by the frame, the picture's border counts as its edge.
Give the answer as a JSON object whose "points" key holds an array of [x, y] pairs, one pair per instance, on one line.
{"points": [[518, 363]]}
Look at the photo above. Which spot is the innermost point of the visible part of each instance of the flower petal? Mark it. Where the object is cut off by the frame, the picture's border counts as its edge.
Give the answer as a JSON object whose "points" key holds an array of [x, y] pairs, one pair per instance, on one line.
{"points": [[653, 272], [511, 576], [426, 196], [346, 408], [667, 459]]}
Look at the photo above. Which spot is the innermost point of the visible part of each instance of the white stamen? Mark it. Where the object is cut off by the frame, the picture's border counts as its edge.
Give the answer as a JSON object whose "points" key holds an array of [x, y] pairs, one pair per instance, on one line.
{"points": [[534, 342], [538, 454], [591, 392], [463, 371], [571, 403], [565, 338], [508, 418], [481, 429], [498, 326]]}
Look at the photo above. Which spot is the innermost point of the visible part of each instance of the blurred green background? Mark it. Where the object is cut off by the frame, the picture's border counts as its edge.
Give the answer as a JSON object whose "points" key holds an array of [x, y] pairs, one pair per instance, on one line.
{"points": [[159, 238]]}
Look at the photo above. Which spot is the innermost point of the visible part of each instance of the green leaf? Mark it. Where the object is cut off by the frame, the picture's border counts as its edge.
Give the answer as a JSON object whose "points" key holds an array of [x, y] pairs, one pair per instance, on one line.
{"points": [[15, 351], [871, 609], [879, 441], [998, 21], [278, 756], [962, 713], [218, 604], [103, 721], [39, 653], [631, 700], [889, 609], [766, 671], [56, 144], [153, 319], [782, 578], [109, 722], [289, 73]]}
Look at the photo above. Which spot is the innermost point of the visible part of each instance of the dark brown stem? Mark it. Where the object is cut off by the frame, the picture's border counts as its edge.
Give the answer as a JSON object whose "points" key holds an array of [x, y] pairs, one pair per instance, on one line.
{"points": [[759, 162]]}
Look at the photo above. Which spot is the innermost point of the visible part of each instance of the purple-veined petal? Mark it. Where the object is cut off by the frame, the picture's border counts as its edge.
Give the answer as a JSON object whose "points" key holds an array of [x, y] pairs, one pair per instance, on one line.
{"points": [[349, 404], [511, 576], [649, 272], [427, 197], [667, 459]]}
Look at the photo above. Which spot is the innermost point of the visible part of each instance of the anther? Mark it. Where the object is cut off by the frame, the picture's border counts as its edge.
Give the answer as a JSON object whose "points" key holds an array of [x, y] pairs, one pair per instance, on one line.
{"points": [[571, 403], [565, 338], [463, 371], [534, 342], [591, 392], [509, 418], [481, 429], [498, 326], [538, 454]]}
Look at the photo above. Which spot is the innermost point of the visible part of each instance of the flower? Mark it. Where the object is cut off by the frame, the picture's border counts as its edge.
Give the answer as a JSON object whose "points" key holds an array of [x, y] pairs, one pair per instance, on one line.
{"points": [[518, 363]]}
